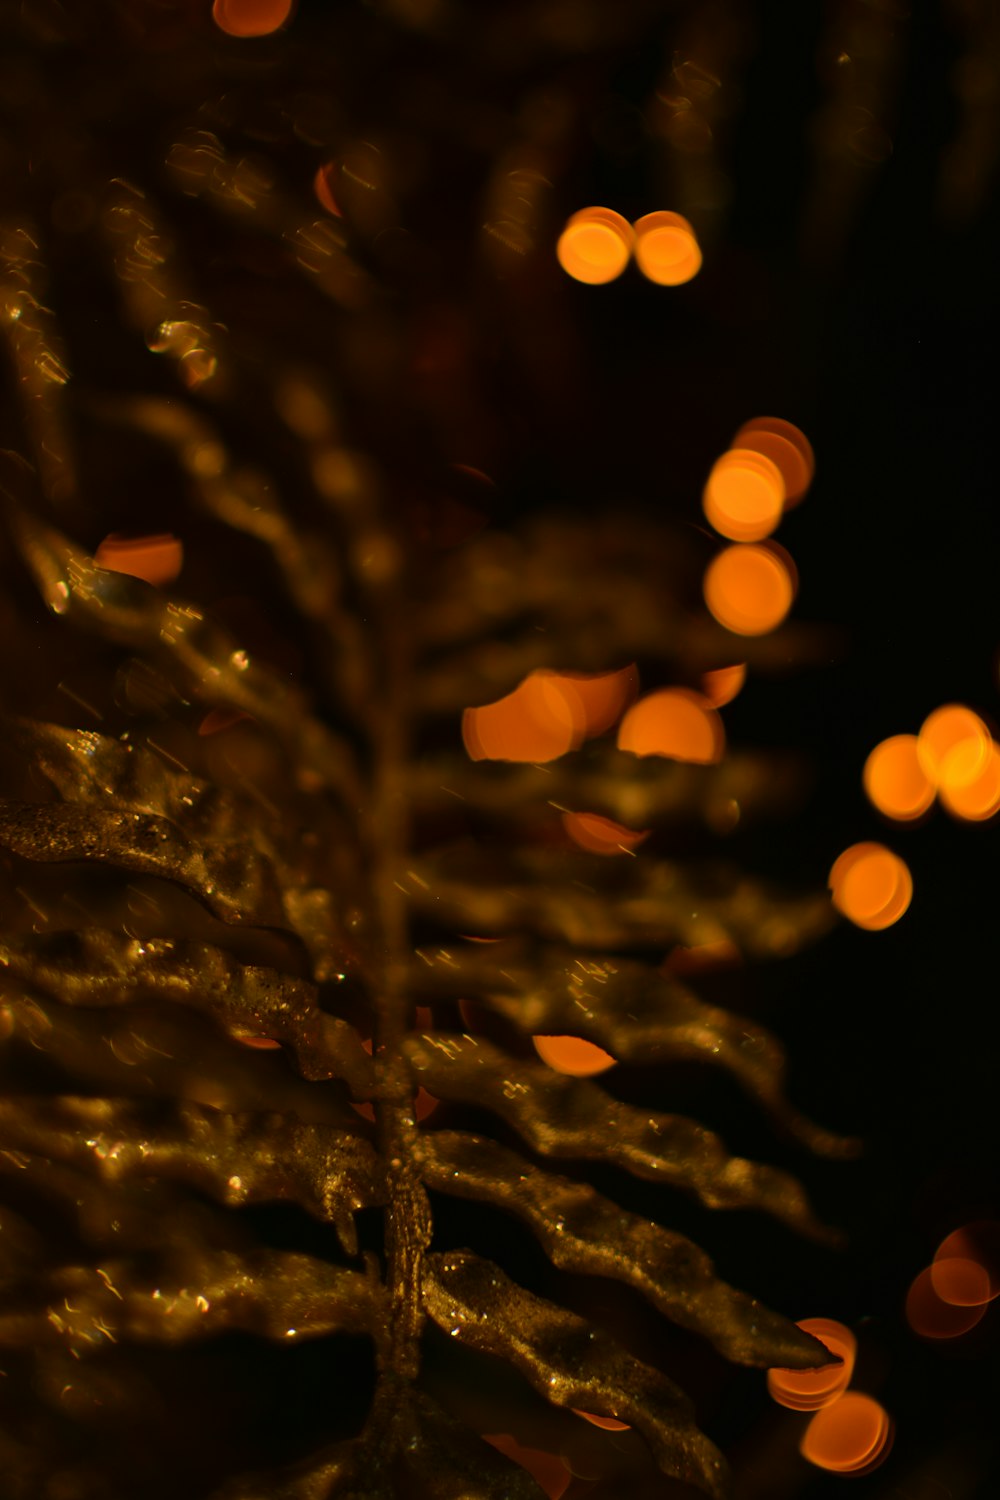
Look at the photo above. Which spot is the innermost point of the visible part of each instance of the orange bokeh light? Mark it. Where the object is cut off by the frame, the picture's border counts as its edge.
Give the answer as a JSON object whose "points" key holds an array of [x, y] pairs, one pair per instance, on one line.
{"points": [[547, 1470], [749, 588], [157, 559], [251, 17], [785, 445], [258, 1043], [895, 779], [976, 800], [808, 1390], [595, 246], [602, 835], [979, 1242], [960, 1282], [323, 188], [609, 1424], [539, 721], [682, 960], [954, 746], [851, 1435], [871, 886], [604, 695], [722, 685], [674, 722], [573, 1055], [218, 719], [744, 495], [666, 248], [932, 1317]]}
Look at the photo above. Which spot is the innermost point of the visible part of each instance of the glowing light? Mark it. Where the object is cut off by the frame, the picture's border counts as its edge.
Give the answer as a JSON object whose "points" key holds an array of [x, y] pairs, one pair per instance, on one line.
{"points": [[744, 496], [674, 722], [595, 246], [979, 1242], [722, 954], [960, 1282], [323, 188], [548, 1471], [930, 1316], [573, 1055], [785, 445], [954, 746], [218, 719], [609, 1424], [251, 17], [978, 799], [722, 685], [895, 779], [602, 835], [258, 1043], [666, 249], [539, 721], [809, 1390], [604, 695], [157, 559], [871, 886], [851, 1435], [749, 588]]}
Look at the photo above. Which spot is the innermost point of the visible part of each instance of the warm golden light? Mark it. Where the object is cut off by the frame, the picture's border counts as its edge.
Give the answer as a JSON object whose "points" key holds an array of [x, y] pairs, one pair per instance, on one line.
{"points": [[157, 559], [674, 722], [785, 445], [573, 1055], [722, 685], [548, 1471], [895, 779], [960, 1282], [604, 695], [323, 188], [600, 835], [851, 1435], [953, 746], [539, 721], [871, 886], [749, 588], [683, 961], [666, 249], [808, 1390], [251, 17], [595, 246], [609, 1424], [978, 799], [932, 1317], [744, 495], [978, 1242]]}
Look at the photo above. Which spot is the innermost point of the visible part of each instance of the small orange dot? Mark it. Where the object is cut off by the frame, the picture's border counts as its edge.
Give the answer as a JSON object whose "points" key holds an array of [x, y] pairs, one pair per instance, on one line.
{"points": [[744, 496], [251, 17], [871, 886], [749, 588], [595, 246], [673, 722], [666, 249], [787, 446], [895, 780], [848, 1436], [573, 1055]]}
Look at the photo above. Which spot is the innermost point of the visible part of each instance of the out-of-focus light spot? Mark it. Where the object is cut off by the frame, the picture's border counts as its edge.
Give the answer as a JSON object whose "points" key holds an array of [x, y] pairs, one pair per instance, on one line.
{"points": [[895, 779], [682, 961], [953, 745], [323, 188], [666, 249], [871, 886], [258, 1043], [850, 1436], [424, 1103], [960, 1282], [573, 1055], [602, 835], [749, 588], [933, 1318], [158, 559], [978, 799], [609, 1424], [744, 496], [548, 1471], [809, 1390], [785, 445], [979, 1242], [539, 721], [674, 722], [722, 685], [595, 246], [218, 719], [251, 17], [604, 695]]}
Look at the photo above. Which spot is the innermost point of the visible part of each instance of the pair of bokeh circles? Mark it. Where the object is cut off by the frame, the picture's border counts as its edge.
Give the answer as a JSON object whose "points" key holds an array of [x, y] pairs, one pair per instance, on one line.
{"points": [[849, 1432], [597, 244]]}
